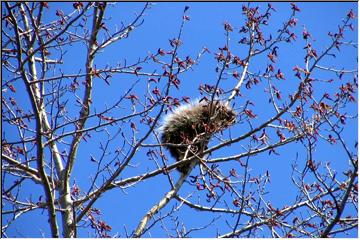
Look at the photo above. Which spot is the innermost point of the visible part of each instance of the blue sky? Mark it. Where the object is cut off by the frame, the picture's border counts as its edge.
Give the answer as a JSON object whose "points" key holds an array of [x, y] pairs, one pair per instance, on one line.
{"points": [[124, 208]]}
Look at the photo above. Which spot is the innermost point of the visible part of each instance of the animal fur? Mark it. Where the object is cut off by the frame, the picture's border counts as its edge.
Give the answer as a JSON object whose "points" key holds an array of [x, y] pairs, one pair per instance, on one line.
{"points": [[192, 125]]}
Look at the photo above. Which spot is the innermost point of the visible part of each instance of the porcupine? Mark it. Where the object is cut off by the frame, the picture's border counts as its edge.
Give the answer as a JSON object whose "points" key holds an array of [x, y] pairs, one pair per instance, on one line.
{"points": [[193, 124]]}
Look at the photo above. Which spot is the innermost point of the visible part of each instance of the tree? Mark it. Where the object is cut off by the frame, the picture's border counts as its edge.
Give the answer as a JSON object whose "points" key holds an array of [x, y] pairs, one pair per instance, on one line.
{"points": [[79, 124]]}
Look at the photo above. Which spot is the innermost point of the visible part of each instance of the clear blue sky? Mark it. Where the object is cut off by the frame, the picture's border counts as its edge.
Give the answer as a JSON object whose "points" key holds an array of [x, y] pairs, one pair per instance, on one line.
{"points": [[125, 208]]}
